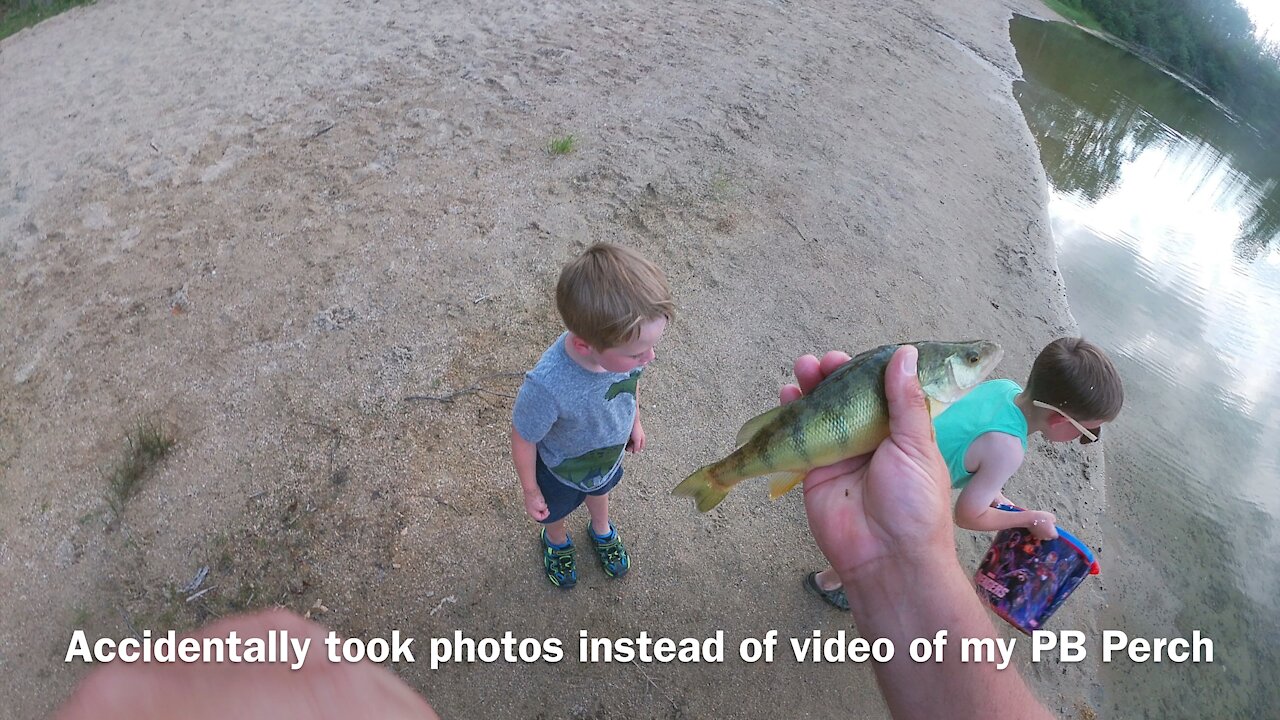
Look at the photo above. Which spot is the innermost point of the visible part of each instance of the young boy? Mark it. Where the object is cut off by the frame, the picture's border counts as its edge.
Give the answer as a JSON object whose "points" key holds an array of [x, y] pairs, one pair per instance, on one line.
{"points": [[577, 410], [1072, 390]]}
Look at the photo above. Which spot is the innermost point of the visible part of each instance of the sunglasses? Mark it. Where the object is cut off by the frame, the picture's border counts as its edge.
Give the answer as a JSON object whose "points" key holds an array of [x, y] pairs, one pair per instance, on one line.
{"points": [[1086, 435]]}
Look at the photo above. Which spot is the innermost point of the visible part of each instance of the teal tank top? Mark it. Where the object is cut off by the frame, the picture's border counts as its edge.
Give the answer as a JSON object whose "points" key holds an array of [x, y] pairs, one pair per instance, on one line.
{"points": [[987, 408]]}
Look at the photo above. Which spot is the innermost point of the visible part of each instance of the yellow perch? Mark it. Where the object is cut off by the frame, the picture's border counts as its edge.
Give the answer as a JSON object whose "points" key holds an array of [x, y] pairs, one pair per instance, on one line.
{"points": [[843, 417]]}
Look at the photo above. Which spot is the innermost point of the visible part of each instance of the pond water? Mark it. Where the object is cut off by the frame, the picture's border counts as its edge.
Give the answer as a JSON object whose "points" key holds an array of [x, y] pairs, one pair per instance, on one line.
{"points": [[1166, 216]]}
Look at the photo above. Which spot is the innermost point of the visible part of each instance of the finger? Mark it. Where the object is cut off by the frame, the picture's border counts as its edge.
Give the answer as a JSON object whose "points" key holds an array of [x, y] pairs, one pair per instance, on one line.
{"points": [[909, 421], [788, 393], [808, 373], [833, 360], [208, 690]]}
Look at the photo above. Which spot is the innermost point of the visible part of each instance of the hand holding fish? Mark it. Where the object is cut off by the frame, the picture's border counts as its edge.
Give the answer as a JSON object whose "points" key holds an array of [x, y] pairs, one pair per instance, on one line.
{"points": [[883, 520], [893, 503]]}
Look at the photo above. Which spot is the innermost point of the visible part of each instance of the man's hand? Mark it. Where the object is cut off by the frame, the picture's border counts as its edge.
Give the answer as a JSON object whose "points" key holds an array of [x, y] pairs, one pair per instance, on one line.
{"points": [[883, 522], [893, 503], [320, 690]]}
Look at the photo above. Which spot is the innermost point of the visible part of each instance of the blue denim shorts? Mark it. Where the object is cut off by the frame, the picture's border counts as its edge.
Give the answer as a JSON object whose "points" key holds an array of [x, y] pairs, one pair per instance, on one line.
{"points": [[562, 499]]}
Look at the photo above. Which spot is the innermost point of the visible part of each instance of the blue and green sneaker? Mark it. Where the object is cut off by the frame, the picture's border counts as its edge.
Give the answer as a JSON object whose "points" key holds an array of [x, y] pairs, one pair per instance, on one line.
{"points": [[560, 562], [612, 553]]}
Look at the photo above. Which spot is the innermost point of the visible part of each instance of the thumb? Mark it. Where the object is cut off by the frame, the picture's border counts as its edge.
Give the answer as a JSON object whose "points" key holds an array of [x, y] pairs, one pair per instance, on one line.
{"points": [[909, 422]]}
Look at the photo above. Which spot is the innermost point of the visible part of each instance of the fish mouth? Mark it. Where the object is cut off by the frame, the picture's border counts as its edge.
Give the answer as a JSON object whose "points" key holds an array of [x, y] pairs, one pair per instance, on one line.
{"points": [[996, 356]]}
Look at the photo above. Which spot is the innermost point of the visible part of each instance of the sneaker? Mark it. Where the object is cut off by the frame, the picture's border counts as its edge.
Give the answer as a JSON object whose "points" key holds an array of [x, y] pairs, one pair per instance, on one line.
{"points": [[835, 598], [612, 553], [560, 563]]}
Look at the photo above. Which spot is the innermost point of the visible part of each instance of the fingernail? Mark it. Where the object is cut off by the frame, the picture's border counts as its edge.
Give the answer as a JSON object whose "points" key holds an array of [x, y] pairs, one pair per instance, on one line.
{"points": [[909, 361]]}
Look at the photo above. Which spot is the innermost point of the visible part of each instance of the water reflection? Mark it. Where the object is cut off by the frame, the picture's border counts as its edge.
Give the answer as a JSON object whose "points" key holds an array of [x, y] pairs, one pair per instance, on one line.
{"points": [[1166, 214], [1090, 130]]}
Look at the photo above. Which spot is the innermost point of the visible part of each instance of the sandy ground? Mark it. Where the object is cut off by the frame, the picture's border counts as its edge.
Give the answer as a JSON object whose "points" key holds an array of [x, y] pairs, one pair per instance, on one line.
{"points": [[269, 224]]}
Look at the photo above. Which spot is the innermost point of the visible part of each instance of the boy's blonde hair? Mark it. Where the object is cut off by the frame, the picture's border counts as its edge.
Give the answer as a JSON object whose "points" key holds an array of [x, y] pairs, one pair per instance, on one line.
{"points": [[607, 292], [1077, 377]]}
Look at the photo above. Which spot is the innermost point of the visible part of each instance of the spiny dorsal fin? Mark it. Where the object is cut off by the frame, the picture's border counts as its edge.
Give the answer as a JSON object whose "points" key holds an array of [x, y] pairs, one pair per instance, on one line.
{"points": [[880, 354], [753, 426]]}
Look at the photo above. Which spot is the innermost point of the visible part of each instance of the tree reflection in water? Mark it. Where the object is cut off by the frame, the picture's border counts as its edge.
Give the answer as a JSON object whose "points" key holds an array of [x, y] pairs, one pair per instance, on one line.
{"points": [[1095, 108]]}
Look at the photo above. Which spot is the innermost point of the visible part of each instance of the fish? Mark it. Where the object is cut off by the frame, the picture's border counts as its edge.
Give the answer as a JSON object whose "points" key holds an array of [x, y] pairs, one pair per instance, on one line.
{"points": [[846, 415]]}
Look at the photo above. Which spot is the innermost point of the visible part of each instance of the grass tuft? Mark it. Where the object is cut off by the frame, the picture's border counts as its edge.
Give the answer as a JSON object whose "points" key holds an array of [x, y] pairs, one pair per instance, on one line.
{"points": [[18, 15], [721, 187], [145, 446], [80, 619], [562, 145]]}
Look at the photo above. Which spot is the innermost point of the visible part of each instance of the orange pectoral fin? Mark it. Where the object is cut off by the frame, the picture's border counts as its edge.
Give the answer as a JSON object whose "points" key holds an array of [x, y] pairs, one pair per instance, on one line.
{"points": [[783, 483]]}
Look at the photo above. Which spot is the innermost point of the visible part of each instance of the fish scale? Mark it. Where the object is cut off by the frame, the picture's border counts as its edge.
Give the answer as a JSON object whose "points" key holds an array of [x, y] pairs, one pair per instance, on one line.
{"points": [[844, 416], [810, 432]]}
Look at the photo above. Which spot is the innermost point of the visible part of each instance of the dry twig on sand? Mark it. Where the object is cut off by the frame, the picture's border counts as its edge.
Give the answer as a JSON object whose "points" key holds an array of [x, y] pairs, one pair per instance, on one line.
{"points": [[472, 390], [319, 132], [787, 220], [662, 692]]}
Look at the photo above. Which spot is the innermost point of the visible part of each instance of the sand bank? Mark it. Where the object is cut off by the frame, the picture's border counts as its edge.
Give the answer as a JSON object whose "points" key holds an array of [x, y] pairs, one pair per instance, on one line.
{"points": [[269, 227]]}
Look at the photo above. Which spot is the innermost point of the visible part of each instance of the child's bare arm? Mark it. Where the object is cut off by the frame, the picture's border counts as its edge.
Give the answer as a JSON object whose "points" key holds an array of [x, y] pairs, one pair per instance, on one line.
{"points": [[635, 443], [524, 455], [997, 456]]}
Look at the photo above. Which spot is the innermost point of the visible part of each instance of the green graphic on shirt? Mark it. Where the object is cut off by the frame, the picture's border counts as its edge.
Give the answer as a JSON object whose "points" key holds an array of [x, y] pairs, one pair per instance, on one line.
{"points": [[624, 386], [586, 470]]}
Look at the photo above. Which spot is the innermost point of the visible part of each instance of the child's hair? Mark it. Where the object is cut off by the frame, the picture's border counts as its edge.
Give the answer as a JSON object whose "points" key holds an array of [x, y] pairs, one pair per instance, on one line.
{"points": [[1077, 377], [607, 292]]}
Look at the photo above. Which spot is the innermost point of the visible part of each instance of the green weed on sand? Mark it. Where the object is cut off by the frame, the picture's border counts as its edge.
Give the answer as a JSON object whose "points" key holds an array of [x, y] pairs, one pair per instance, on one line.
{"points": [[562, 145], [148, 442]]}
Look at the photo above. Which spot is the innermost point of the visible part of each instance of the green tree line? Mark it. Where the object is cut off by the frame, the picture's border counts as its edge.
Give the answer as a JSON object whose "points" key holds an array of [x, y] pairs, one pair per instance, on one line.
{"points": [[1209, 42]]}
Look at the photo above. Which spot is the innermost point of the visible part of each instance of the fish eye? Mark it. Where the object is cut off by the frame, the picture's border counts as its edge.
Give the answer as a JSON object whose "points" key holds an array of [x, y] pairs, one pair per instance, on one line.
{"points": [[973, 358]]}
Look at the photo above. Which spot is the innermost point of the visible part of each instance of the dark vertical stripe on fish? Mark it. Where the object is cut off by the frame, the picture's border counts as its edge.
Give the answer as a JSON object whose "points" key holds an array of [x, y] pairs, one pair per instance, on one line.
{"points": [[768, 456], [798, 442], [840, 429]]}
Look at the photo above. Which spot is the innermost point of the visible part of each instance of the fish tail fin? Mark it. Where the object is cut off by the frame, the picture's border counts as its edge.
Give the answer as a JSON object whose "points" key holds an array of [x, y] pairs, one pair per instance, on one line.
{"points": [[703, 488], [783, 483]]}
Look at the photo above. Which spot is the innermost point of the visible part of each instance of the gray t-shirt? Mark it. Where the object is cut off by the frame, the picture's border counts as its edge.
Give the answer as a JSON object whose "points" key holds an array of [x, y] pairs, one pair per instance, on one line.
{"points": [[580, 420]]}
